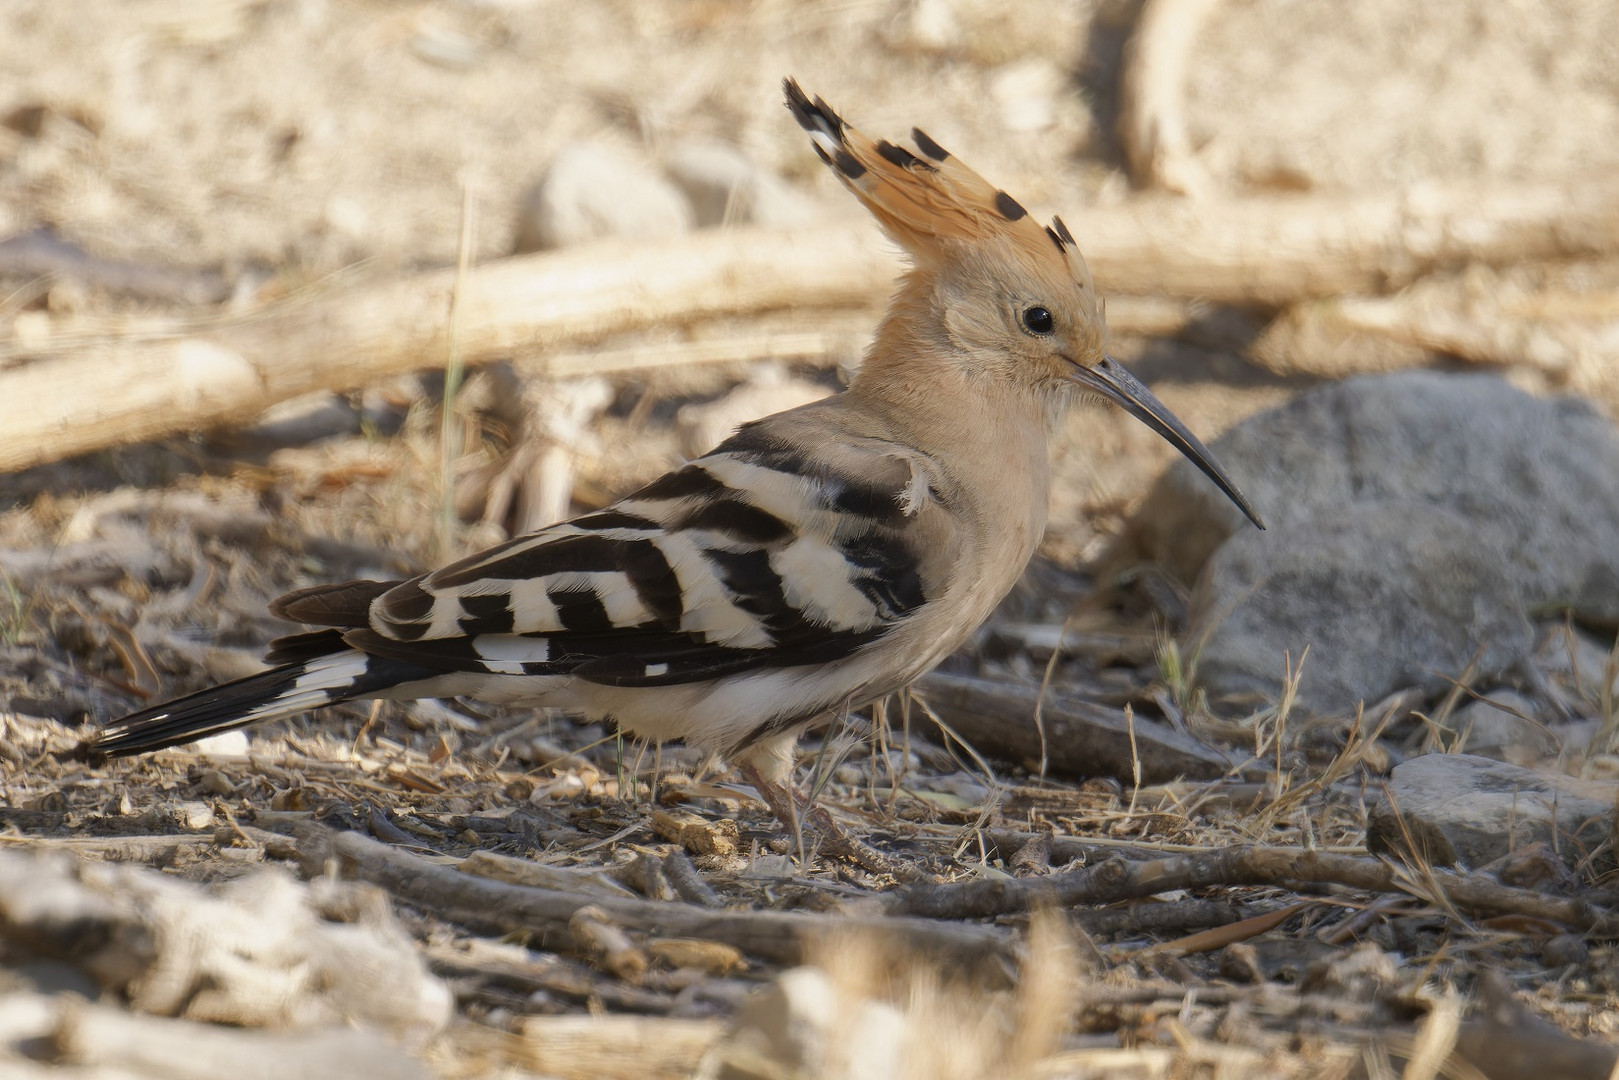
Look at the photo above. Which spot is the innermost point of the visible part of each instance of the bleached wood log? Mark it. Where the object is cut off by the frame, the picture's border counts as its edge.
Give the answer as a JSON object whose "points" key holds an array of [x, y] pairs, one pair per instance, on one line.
{"points": [[69, 393], [1152, 119], [98, 1035]]}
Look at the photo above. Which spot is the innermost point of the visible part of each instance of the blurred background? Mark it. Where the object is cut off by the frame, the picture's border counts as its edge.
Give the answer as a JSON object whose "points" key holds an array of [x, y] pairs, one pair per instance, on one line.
{"points": [[295, 291], [209, 158]]}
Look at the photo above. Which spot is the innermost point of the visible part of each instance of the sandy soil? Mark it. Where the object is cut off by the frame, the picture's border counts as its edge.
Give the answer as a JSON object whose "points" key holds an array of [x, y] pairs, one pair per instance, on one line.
{"points": [[282, 141]]}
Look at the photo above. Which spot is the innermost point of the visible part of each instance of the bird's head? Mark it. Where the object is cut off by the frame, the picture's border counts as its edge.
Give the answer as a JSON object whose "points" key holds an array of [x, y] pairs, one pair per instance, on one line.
{"points": [[1009, 298]]}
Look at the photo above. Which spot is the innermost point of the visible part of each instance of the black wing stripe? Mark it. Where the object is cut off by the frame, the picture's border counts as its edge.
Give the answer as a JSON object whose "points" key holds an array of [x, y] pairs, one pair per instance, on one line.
{"points": [[691, 482], [489, 613], [737, 518], [613, 519], [839, 491], [755, 444], [653, 580], [585, 554], [888, 574], [580, 609], [848, 495], [756, 588]]}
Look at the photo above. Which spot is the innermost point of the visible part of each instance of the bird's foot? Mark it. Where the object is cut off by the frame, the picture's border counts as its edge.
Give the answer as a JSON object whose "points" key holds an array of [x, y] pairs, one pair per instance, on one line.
{"points": [[791, 809]]}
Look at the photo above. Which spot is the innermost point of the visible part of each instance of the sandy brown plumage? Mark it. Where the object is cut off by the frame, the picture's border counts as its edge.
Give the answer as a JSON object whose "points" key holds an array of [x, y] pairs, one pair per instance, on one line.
{"points": [[818, 559]]}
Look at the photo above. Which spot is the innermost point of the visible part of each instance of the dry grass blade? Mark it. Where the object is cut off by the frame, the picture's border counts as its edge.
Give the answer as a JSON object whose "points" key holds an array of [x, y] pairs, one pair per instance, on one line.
{"points": [[1431, 1049], [1360, 744], [1219, 937]]}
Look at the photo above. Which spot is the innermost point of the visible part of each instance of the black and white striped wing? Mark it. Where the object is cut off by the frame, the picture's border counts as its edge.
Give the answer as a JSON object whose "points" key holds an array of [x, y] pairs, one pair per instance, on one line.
{"points": [[761, 554]]}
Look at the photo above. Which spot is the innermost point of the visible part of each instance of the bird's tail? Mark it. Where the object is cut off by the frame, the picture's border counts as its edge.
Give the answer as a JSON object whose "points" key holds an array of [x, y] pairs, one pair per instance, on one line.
{"points": [[282, 691]]}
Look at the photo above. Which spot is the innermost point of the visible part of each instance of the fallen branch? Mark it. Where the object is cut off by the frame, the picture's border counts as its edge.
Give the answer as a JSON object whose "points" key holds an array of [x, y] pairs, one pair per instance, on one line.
{"points": [[1081, 738], [614, 1047], [85, 394], [546, 915], [1119, 879], [1152, 120], [136, 1045], [216, 372]]}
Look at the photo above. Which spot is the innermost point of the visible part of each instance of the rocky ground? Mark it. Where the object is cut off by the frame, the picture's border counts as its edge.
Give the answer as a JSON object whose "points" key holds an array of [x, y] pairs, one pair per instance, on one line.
{"points": [[296, 291]]}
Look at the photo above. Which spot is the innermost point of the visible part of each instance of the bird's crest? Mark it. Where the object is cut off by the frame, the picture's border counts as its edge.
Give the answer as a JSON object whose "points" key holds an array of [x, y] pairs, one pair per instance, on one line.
{"points": [[926, 199]]}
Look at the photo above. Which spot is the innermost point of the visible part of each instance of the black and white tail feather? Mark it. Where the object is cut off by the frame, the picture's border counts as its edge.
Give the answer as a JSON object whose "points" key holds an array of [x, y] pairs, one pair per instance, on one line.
{"points": [[768, 553], [820, 558], [782, 576]]}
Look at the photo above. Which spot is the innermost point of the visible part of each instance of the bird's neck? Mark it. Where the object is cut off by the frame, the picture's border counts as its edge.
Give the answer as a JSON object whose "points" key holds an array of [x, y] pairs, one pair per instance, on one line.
{"points": [[934, 398], [991, 436]]}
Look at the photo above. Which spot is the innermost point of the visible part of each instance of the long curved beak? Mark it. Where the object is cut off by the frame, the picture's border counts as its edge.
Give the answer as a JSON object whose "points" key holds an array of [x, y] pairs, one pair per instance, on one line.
{"points": [[1116, 384]]}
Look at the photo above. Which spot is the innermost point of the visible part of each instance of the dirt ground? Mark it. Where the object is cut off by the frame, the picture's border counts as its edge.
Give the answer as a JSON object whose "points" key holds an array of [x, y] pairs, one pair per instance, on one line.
{"points": [[275, 145]]}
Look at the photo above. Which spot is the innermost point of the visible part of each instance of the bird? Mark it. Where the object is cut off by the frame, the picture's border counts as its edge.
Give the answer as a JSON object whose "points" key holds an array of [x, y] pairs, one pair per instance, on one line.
{"points": [[816, 560]]}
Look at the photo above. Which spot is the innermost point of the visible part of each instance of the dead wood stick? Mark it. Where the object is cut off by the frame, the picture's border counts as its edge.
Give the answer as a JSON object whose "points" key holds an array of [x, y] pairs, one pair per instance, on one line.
{"points": [[81, 395], [1081, 738], [1515, 1054], [607, 945], [136, 849], [1515, 1043], [1119, 879], [1152, 121], [181, 1050], [687, 882], [773, 935], [1156, 918], [615, 1047], [226, 371]]}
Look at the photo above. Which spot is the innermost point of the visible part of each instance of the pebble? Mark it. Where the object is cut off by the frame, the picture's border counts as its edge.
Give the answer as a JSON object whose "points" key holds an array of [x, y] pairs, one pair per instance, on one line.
{"points": [[595, 190], [1460, 809], [725, 187]]}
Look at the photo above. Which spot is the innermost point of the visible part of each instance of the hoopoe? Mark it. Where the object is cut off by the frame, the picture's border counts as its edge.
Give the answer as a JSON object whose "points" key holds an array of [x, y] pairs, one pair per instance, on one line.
{"points": [[819, 559]]}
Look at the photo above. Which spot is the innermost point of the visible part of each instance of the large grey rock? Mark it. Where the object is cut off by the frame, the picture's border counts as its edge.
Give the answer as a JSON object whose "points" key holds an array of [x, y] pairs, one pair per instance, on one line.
{"points": [[1416, 520], [1458, 809]]}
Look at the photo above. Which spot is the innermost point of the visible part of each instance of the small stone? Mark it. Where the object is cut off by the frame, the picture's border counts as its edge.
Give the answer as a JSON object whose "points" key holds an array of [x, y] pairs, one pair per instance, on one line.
{"points": [[931, 27], [1460, 809], [1239, 962], [215, 782], [593, 191], [225, 744], [1026, 91], [725, 187], [772, 866], [1565, 949], [1502, 724], [194, 814]]}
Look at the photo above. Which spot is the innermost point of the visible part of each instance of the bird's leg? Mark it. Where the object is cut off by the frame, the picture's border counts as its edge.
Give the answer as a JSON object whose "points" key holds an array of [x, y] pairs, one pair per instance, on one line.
{"points": [[785, 802]]}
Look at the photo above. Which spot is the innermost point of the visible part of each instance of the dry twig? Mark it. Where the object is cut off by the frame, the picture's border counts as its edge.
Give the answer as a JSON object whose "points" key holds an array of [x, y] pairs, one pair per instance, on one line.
{"points": [[503, 907], [1120, 879]]}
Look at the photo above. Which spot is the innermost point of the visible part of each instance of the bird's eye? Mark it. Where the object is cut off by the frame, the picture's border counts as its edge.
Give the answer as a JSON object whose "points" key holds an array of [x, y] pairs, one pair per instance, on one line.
{"points": [[1037, 320]]}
